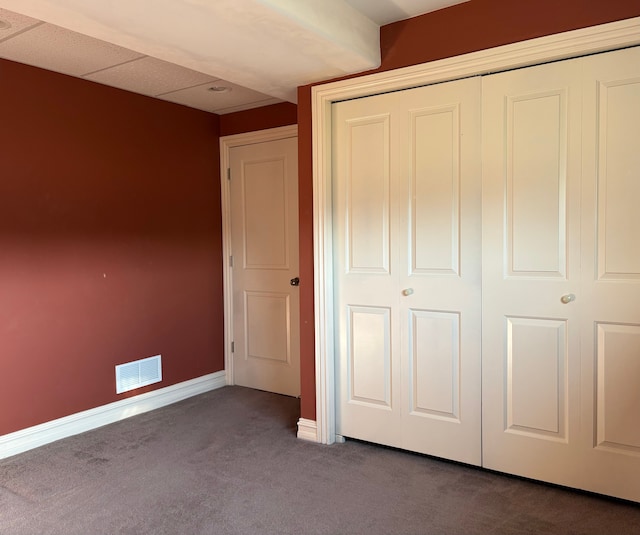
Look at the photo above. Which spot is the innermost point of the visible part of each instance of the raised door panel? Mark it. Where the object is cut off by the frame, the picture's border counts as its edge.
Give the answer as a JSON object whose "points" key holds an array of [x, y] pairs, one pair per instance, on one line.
{"points": [[536, 389], [268, 339], [367, 195], [617, 395], [618, 186], [434, 373], [369, 356], [536, 184], [266, 241], [435, 190]]}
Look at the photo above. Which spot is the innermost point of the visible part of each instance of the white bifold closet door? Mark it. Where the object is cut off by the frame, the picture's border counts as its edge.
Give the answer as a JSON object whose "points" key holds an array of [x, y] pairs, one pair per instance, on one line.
{"points": [[406, 231], [561, 273]]}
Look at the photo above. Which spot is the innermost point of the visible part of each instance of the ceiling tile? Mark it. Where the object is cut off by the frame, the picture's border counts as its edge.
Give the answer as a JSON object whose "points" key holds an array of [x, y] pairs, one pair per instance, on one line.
{"points": [[236, 98], [150, 76], [56, 49], [17, 23]]}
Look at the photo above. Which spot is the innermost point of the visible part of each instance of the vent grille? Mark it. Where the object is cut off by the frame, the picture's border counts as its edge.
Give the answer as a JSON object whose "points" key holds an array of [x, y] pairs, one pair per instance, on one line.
{"points": [[139, 373]]}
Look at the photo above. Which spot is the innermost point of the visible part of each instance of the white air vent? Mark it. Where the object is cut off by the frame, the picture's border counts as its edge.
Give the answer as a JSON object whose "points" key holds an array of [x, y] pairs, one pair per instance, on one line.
{"points": [[139, 373]]}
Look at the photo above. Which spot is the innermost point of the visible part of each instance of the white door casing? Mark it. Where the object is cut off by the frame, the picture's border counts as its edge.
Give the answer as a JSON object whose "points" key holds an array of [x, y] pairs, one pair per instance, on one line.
{"points": [[407, 269], [565, 45], [260, 234]]}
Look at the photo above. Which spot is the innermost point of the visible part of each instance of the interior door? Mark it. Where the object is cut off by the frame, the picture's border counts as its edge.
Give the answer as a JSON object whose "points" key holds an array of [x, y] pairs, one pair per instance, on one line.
{"points": [[264, 236], [610, 292], [407, 269], [561, 273], [531, 268]]}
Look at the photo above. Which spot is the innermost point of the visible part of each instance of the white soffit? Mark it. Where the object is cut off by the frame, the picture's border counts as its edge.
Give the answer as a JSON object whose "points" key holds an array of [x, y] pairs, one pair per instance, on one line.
{"points": [[385, 12], [269, 46]]}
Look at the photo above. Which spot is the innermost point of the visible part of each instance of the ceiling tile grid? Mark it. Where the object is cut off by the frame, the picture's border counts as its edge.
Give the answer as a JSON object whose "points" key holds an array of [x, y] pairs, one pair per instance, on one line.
{"points": [[13, 23], [258, 50], [149, 76], [54, 48]]}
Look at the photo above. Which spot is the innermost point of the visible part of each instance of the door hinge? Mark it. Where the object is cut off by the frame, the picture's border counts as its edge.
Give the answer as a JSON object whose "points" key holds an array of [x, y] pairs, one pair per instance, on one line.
{"points": [[228, 173], [230, 260], [233, 347]]}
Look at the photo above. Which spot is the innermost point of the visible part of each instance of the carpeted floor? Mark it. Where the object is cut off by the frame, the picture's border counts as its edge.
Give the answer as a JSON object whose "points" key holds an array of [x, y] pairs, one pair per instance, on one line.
{"points": [[228, 462]]}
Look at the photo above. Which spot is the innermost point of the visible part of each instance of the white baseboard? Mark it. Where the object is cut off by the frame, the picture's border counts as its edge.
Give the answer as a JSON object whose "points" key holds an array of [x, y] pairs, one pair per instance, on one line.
{"points": [[39, 435], [307, 430]]}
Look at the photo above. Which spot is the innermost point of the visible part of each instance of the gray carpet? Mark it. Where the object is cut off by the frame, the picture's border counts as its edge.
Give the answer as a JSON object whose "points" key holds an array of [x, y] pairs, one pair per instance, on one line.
{"points": [[228, 462]]}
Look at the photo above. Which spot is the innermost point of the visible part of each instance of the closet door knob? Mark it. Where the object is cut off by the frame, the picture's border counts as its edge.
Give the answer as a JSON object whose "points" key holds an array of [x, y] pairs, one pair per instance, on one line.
{"points": [[407, 291], [568, 298]]}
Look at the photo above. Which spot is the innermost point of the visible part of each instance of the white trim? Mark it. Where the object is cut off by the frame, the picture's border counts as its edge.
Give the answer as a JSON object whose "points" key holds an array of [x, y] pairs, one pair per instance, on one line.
{"points": [[226, 144], [39, 435], [553, 47], [307, 430]]}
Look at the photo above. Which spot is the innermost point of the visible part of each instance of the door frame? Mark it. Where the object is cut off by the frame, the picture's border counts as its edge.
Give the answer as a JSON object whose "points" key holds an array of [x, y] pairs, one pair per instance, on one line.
{"points": [[226, 144], [560, 46]]}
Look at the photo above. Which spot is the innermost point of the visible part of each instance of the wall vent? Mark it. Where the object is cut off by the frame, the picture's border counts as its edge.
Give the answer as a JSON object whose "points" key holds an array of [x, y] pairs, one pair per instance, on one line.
{"points": [[138, 373]]}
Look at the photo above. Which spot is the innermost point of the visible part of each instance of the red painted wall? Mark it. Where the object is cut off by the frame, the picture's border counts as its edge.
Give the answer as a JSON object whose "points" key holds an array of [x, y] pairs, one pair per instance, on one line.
{"points": [[110, 242], [468, 27], [282, 114]]}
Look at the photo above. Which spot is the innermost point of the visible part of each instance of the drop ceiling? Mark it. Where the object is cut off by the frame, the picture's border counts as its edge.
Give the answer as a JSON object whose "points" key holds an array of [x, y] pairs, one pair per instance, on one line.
{"points": [[218, 56]]}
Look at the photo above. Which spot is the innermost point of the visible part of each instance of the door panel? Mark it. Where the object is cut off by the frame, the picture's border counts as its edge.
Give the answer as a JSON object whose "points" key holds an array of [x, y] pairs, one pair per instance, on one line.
{"points": [[610, 294], [531, 259], [617, 399], [560, 271], [367, 366], [435, 190], [264, 235], [439, 264], [434, 374], [536, 137], [369, 355], [407, 166], [536, 369], [561, 382], [367, 195]]}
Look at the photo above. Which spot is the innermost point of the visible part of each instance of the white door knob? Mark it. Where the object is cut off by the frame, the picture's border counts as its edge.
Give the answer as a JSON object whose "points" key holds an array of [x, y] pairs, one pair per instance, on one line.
{"points": [[568, 298], [407, 291]]}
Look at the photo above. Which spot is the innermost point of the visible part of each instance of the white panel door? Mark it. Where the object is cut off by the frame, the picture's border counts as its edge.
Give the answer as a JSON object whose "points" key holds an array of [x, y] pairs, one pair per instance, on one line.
{"points": [[610, 293], [407, 269], [561, 273], [264, 235], [368, 369], [531, 265]]}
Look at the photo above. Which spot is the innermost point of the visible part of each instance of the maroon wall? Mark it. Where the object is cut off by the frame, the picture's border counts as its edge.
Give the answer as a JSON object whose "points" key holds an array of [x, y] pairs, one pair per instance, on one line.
{"points": [[282, 114], [110, 242], [468, 27]]}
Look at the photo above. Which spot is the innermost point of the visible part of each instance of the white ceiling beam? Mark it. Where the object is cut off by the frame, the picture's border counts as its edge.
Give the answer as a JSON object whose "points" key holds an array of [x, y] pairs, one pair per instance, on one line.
{"points": [[271, 46]]}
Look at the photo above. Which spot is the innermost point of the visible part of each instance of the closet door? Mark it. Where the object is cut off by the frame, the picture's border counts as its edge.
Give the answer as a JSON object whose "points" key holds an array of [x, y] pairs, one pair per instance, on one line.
{"points": [[439, 268], [365, 230], [561, 273], [407, 269], [531, 270], [610, 293]]}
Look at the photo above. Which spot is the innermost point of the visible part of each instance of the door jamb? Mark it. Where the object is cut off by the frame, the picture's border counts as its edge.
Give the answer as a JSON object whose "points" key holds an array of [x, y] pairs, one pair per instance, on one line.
{"points": [[226, 144], [565, 45]]}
